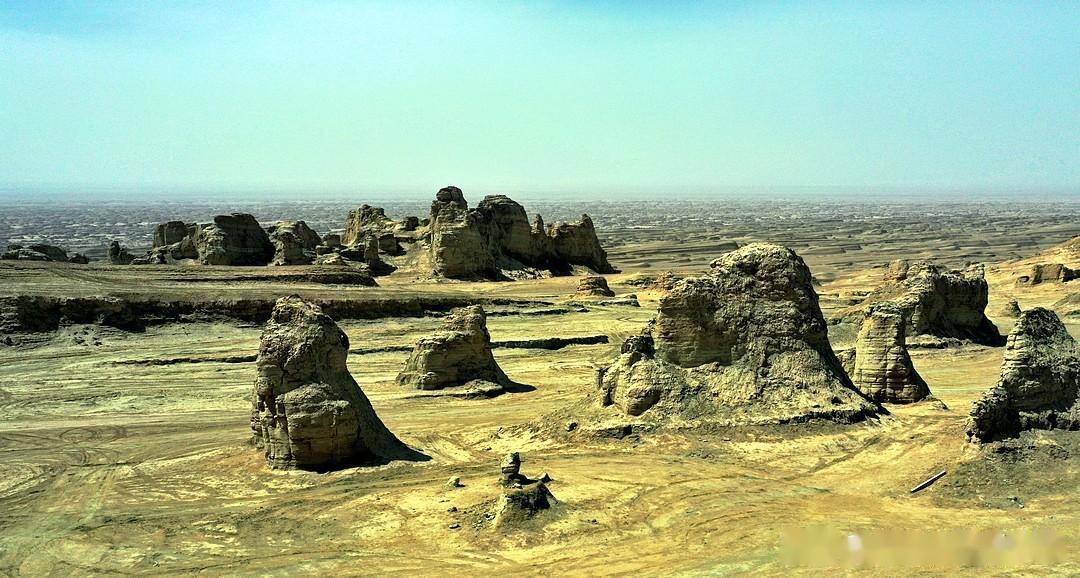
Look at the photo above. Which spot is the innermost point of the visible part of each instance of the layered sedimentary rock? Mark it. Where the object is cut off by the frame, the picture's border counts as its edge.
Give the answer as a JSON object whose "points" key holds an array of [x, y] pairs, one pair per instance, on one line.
{"points": [[1039, 384], [496, 238], [881, 367], [935, 301], [235, 239], [173, 241], [172, 232], [594, 286], [523, 498], [307, 410], [744, 344], [305, 235], [456, 355]]}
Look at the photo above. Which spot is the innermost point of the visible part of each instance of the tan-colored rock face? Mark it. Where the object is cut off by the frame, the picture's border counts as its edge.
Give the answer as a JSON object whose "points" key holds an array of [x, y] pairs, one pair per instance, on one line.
{"points": [[594, 286], [455, 355], [935, 301], [882, 368], [307, 411], [747, 343], [496, 236], [1039, 386], [366, 221]]}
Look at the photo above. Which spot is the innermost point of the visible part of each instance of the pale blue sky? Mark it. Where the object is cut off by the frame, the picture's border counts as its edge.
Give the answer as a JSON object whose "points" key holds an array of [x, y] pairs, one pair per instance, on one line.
{"points": [[598, 97]]}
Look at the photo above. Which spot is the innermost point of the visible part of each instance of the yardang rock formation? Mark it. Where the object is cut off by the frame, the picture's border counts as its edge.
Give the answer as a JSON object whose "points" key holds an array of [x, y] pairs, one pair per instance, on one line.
{"points": [[880, 366], [934, 301], [457, 355], [745, 344], [307, 410], [1039, 385]]}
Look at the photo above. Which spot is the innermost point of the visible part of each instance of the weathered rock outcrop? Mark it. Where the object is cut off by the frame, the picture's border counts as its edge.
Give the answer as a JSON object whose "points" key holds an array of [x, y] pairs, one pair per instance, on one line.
{"points": [[365, 221], [1039, 384], [119, 255], [578, 245], [934, 301], [594, 286], [307, 411], [495, 240], [456, 355], [881, 367], [523, 498], [294, 242], [172, 232], [1048, 273], [235, 239], [38, 252], [745, 344]]}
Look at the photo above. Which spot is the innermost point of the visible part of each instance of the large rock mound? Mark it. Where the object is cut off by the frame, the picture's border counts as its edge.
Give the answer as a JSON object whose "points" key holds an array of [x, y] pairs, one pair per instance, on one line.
{"points": [[235, 239], [457, 355], [881, 367], [934, 301], [1039, 384], [745, 344], [307, 411], [594, 286]]}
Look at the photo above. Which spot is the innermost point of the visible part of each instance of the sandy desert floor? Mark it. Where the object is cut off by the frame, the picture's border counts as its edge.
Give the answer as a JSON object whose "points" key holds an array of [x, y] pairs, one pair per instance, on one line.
{"points": [[124, 453]]}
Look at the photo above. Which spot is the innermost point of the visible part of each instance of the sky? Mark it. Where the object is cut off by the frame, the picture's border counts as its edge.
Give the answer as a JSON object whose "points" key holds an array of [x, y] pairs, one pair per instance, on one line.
{"points": [[595, 98]]}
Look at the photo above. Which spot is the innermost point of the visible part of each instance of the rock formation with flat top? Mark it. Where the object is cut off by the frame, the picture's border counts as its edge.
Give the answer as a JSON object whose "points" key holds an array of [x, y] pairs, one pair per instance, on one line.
{"points": [[745, 344], [235, 239], [1039, 384], [456, 355], [307, 410]]}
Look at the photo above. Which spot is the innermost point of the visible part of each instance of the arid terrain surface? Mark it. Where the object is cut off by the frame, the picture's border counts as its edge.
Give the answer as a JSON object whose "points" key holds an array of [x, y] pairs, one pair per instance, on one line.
{"points": [[126, 452]]}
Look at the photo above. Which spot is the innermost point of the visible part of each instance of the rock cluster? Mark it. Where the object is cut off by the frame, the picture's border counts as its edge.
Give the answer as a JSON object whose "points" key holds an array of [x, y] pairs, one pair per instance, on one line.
{"points": [[307, 410], [41, 252], [880, 366], [594, 286], [496, 238], [173, 241], [745, 344], [457, 355], [1039, 384], [934, 301]]}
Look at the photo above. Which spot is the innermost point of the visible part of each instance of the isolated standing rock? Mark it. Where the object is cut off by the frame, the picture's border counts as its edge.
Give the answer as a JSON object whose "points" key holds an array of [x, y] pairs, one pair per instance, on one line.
{"points": [[119, 255], [307, 410], [745, 344], [882, 368], [1039, 385], [456, 355], [594, 286]]}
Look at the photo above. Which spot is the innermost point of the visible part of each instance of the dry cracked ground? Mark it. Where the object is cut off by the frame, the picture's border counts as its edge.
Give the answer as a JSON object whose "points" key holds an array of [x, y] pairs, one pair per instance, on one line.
{"points": [[127, 452]]}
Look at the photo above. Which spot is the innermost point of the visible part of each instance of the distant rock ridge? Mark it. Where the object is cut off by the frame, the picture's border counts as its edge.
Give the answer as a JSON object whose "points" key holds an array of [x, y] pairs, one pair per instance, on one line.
{"points": [[1039, 386], [744, 344], [934, 301], [307, 410], [41, 252]]}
